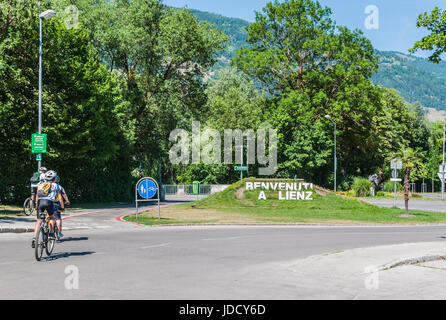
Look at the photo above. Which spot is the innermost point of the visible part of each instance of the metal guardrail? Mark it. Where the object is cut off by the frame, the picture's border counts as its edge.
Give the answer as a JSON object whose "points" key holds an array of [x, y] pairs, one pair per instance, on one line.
{"points": [[188, 190], [170, 190]]}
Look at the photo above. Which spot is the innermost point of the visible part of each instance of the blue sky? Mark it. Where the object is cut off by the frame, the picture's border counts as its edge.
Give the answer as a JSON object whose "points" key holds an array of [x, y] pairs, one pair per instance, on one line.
{"points": [[397, 18]]}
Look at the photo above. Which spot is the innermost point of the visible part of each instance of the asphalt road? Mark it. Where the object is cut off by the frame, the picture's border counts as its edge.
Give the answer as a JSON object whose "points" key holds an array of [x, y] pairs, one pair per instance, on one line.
{"points": [[116, 260]]}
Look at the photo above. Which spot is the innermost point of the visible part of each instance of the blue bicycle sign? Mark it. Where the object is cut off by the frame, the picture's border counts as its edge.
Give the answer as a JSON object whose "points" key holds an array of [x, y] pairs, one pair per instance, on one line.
{"points": [[147, 189]]}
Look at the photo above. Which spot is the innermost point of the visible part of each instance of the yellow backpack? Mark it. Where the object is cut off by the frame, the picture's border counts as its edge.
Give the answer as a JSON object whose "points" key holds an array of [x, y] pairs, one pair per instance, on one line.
{"points": [[44, 189]]}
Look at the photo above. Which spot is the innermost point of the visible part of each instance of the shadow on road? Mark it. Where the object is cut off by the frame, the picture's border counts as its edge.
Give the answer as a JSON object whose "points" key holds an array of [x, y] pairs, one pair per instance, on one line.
{"points": [[64, 255], [71, 239]]}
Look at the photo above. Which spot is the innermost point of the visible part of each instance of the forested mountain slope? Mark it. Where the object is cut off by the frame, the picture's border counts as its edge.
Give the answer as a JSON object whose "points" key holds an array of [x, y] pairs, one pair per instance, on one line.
{"points": [[415, 78]]}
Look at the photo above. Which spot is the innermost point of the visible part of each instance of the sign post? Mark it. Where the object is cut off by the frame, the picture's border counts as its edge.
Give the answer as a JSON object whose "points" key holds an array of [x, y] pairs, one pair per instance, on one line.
{"points": [[38, 145], [441, 175], [395, 165], [147, 188]]}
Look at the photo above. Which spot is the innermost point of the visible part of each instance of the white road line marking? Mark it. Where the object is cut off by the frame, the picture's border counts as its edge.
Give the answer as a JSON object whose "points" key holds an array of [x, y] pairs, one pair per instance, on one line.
{"points": [[9, 262], [228, 238], [156, 246]]}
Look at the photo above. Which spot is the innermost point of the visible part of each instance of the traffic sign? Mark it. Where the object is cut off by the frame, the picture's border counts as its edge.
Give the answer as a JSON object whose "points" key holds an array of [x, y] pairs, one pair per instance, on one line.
{"points": [[441, 175], [241, 168], [396, 180], [442, 168], [147, 189], [396, 164], [38, 143], [39, 157]]}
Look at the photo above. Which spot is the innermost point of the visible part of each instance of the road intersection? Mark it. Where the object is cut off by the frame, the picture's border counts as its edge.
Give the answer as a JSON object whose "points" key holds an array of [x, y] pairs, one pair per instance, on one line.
{"points": [[117, 260]]}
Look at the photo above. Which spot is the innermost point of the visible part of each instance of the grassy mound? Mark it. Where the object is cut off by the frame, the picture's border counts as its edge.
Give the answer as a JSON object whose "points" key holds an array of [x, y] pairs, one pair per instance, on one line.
{"points": [[235, 205]]}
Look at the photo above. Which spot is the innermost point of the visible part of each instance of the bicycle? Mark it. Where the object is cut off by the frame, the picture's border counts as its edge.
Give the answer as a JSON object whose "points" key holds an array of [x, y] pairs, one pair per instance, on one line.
{"points": [[28, 209], [43, 240]]}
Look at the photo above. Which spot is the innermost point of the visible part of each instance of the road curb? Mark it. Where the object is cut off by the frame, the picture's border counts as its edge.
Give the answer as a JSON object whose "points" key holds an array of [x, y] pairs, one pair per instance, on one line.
{"points": [[412, 261]]}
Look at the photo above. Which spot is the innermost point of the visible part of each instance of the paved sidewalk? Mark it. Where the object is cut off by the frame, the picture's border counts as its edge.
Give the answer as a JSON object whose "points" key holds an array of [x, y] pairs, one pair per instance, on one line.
{"points": [[418, 205], [101, 218], [375, 273], [18, 224]]}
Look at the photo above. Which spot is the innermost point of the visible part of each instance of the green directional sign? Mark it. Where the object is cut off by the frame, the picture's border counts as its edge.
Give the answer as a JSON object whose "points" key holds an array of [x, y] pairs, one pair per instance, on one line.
{"points": [[38, 143], [241, 168]]}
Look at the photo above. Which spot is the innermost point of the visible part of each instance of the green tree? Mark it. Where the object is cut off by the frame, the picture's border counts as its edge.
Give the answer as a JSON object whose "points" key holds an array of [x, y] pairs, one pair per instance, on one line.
{"points": [[411, 160], [313, 68], [85, 142], [162, 55], [233, 103], [435, 23]]}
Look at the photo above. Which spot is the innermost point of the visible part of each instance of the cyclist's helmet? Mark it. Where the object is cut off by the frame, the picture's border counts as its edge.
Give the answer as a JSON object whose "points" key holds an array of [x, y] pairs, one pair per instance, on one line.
{"points": [[50, 175], [43, 169]]}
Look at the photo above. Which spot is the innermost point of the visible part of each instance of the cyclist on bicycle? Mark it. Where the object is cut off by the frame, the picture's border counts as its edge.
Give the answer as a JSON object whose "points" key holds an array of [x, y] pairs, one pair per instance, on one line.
{"points": [[35, 180], [46, 195], [57, 208]]}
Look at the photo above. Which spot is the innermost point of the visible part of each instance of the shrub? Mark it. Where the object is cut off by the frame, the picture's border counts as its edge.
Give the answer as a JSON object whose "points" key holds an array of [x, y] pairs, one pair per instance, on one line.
{"points": [[389, 186], [361, 187], [380, 194]]}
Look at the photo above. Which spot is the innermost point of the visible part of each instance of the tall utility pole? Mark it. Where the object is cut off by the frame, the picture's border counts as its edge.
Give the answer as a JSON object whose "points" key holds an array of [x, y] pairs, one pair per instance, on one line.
{"points": [[241, 157], [335, 156], [44, 15]]}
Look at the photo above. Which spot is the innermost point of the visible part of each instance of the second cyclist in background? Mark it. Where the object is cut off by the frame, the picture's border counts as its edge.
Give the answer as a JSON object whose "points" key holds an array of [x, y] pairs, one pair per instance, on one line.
{"points": [[35, 180], [57, 208]]}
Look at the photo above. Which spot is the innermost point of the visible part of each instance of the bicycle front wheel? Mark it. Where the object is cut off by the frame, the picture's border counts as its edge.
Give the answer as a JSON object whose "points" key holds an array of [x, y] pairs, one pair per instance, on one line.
{"points": [[40, 243], [27, 207]]}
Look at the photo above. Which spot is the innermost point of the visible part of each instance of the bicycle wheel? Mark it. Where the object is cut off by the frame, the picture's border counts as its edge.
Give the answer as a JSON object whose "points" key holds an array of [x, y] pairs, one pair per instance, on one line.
{"points": [[27, 209], [50, 244], [40, 243]]}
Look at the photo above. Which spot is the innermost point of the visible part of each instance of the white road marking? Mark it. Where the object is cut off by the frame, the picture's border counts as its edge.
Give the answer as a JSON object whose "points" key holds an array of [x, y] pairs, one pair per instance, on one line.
{"points": [[228, 238], [156, 246], [9, 262]]}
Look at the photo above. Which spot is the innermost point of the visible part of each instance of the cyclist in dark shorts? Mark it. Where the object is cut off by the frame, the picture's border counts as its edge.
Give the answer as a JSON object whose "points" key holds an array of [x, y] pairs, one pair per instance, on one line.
{"points": [[46, 195]]}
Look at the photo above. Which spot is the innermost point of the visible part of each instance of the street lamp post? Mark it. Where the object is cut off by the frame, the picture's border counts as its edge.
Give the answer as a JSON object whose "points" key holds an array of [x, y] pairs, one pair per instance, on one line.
{"points": [[44, 15], [335, 157], [443, 166]]}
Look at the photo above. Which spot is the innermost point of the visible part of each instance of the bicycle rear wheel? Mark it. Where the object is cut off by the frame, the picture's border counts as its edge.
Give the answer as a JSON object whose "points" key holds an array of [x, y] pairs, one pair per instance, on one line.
{"points": [[40, 243], [27, 208], [56, 232]]}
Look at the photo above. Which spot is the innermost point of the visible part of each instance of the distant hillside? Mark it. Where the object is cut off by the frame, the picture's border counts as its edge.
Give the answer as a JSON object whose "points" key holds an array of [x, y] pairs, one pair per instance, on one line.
{"points": [[233, 27], [415, 78]]}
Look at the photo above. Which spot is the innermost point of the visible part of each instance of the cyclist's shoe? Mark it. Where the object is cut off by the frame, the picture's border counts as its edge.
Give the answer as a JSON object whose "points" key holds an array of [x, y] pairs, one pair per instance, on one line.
{"points": [[33, 243], [60, 235], [52, 236]]}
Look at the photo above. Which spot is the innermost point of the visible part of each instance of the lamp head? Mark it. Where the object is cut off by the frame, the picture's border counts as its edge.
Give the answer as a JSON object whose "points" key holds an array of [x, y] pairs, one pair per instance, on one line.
{"points": [[48, 14], [328, 117]]}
